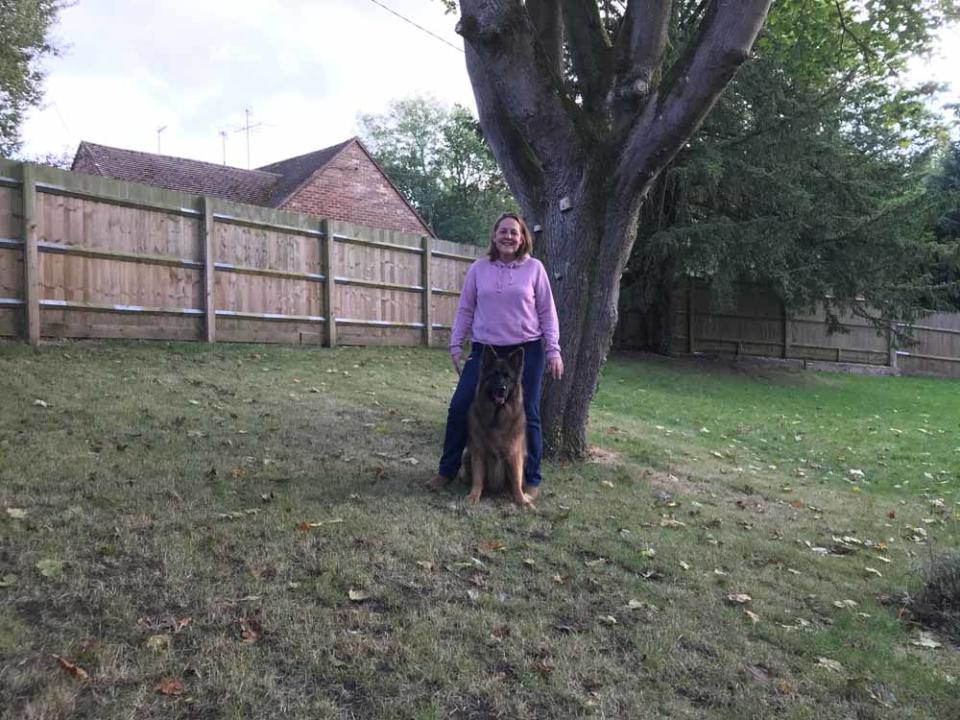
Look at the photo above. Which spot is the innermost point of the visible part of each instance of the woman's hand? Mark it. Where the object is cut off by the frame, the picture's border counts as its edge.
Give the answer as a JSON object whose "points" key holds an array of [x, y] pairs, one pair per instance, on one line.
{"points": [[457, 363], [555, 367]]}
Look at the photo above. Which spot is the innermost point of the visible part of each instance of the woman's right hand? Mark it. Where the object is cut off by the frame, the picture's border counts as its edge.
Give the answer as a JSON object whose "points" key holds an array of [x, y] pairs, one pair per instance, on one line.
{"points": [[457, 363]]}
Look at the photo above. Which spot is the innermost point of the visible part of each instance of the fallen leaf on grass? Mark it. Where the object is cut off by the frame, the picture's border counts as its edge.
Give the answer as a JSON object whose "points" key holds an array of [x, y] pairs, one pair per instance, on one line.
{"points": [[595, 563], [40, 403], [873, 571], [169, 686], [529, 562], [785, 687], [545, 667], [8, 580], [796, 504], [671, 523], [158, 643], [491, 546], [50, 568], [739, 598], [606, 619], [17, 513], [757, 672], [78, 672], [308, 526], [752, 615], [642, 605], [684, 565], [606, 483], [926, 641], [882, 694], [250, 631], [428, 565], [829, 664], [358, 595], [892, 514]]}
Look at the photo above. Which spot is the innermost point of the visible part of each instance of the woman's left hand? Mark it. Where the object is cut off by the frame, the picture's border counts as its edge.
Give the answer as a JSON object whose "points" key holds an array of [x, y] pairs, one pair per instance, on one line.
{"points": [[555, 367]]}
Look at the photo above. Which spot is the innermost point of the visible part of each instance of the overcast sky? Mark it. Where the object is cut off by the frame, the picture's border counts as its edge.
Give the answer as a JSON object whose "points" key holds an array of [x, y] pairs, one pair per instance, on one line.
{"points": [[304, 69]]}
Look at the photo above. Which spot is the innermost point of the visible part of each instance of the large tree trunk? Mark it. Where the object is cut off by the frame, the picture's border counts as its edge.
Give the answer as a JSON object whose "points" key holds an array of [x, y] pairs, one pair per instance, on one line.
{"points": [[580, 157]]}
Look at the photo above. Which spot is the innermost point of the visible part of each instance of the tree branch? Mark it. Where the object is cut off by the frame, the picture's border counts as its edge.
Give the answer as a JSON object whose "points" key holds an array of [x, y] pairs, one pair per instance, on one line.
{"points": [[502, 59], [548, 26], [675, 111], [591, 51], [520, 167], [639, 52]]}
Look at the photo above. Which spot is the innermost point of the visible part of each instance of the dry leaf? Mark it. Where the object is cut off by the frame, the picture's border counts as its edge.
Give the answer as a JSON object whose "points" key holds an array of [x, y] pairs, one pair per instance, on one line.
{"points": [[545, 666], [926, 641], [429, 565], [50, 568], [40, 403], [17, 513], [494, 546], [641, 605], [250, 631], [78, 672], [159, 642], [169, 686], [358, 595], [785, 687], [829, 664], [529, 562], [606, 619], [752, 615], [671, 523], [892, 514], [684, 565], [873, 571], [8, 580], [595, 563], [739, 598], [757, 672], [606, 483]]}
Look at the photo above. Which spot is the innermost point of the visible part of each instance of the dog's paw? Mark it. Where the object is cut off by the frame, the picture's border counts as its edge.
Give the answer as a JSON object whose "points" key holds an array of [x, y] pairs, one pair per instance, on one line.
{"points": [[525, 501], [473, 498]]}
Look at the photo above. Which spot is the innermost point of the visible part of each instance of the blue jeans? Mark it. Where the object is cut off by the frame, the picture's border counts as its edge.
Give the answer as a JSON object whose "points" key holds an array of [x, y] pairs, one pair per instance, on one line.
{"points": [[455, 438]]}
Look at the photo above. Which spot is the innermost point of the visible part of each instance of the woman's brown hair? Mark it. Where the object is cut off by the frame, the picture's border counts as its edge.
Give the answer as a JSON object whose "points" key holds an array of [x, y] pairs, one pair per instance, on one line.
{"points": [[526, 242]]}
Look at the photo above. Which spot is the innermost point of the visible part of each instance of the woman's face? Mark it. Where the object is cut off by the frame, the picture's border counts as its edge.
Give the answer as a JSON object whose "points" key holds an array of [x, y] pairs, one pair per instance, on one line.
{"points": [[508, 238]]}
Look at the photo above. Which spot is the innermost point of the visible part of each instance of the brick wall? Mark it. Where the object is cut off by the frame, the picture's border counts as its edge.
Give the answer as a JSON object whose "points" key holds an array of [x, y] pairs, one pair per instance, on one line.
{"points": [[351, 188]]}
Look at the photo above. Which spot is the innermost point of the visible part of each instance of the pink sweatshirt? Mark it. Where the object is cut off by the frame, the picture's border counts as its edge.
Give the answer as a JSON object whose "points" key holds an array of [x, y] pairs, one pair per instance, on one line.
{"points": [[506, 304]]}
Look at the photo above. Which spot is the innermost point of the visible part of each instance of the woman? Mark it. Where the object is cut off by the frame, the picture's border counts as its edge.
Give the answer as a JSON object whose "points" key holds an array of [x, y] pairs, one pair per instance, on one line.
{"points": [[506, 303]]}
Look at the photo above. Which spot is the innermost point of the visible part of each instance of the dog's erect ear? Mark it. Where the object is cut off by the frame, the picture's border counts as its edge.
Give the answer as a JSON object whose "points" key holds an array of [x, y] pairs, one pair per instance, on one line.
{"points": [[516, 360], [489, 356]]}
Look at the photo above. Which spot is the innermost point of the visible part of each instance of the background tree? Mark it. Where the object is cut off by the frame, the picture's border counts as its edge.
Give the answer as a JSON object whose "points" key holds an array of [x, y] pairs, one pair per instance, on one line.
{"points": [[24, 41], [583, 108], [807, 177], [439, 160]]}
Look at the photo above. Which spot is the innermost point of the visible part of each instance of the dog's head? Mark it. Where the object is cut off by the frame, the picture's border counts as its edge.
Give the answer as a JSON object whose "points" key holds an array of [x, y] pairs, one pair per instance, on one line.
{"points": [[500, 377]]}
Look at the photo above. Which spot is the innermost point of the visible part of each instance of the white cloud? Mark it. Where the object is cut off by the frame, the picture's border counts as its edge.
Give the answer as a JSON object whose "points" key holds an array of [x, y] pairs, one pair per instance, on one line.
{"points": [[306, 70]]}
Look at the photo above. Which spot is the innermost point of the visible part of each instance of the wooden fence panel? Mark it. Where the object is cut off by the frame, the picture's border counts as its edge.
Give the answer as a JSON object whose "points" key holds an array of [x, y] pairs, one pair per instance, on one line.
{"points": [[119, 259], [937, 348], [11, 261]]}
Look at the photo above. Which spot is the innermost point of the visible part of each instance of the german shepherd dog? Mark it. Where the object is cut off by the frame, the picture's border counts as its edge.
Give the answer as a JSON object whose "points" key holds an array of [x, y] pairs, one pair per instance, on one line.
{"points": [[497, 429]]}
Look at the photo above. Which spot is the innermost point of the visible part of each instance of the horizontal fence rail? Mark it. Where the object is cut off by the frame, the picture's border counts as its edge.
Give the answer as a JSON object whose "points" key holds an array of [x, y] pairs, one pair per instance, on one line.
{"points": [[755, 323], [85, 256]]}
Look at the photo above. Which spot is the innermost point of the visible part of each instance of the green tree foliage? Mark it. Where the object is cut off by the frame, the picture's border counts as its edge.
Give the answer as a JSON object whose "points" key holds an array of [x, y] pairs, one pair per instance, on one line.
{"points": [[807, 177], [439, 160], [24, 42]]}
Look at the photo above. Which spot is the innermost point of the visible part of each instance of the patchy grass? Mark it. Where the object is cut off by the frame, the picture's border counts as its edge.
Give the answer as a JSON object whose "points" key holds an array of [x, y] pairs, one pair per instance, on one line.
{"points": [[238, 531]]}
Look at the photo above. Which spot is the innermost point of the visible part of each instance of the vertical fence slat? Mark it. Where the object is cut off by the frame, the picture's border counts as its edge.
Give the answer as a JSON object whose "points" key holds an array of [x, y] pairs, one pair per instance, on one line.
{"points": [[690, 303], [330, 290], [209, 270], [426, 279], [31, 254], [785, 328]]}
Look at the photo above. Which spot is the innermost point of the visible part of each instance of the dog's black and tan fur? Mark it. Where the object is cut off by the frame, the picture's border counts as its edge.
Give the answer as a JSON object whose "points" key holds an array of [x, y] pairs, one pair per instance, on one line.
{"points": [[497, 429]]}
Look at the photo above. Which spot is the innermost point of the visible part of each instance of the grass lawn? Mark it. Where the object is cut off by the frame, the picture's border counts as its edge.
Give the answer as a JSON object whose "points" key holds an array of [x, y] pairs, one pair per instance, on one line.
{"points": [[242, 532]]}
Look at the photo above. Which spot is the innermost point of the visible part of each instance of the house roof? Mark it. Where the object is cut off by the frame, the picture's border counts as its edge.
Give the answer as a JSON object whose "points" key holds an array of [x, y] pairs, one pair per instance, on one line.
{"points": [[254, 187], [295, 171], [269, 186]]}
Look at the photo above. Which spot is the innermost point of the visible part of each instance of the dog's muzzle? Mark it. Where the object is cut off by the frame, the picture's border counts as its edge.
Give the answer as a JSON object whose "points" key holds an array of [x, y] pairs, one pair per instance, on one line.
{"points": [[500, 394]]}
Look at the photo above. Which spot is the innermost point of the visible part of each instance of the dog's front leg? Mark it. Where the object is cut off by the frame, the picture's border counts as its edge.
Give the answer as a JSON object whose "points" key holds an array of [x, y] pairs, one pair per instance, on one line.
{"points": [[515, 469], [478, 470]]}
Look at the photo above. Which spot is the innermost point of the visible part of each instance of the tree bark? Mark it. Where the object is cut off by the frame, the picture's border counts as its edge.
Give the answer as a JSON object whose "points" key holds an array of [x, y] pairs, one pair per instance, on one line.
{"points": [[581, 167]]}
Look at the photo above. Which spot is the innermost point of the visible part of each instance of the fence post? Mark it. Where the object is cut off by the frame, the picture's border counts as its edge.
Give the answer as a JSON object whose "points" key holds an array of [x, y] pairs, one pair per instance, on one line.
{"points": [[691, 346], [891, 348], [31, 254], [329, 284], [427, 280], [209, 271], [785, 325]]}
